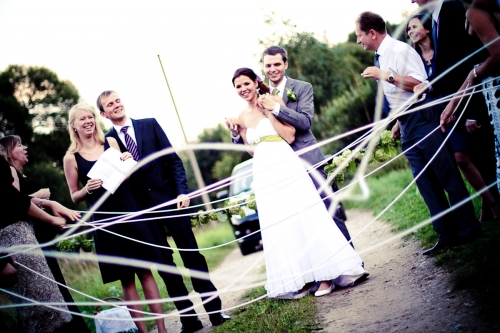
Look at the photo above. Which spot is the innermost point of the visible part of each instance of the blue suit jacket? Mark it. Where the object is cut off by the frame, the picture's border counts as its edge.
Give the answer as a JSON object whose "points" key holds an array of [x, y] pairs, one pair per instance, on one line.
{"points": [[165, 177], [300, 114], [454, 44]]}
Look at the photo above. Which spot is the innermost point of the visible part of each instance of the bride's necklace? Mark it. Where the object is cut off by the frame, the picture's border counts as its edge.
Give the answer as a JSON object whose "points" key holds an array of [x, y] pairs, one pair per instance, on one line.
{"points": [[96, 146], [428, 57]]}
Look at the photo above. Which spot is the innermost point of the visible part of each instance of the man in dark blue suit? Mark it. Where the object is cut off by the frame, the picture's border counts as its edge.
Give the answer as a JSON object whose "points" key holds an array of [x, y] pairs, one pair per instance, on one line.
{"points": [[165, 180]]}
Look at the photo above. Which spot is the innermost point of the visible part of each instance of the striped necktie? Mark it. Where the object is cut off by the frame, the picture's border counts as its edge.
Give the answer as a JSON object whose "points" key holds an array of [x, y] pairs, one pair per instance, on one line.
{"points": [[385, 103], [131, 146], [435, 26]]}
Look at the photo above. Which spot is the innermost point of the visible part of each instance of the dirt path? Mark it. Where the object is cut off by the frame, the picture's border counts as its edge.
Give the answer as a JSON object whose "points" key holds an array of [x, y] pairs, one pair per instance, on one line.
{"points": [[405, 291]]}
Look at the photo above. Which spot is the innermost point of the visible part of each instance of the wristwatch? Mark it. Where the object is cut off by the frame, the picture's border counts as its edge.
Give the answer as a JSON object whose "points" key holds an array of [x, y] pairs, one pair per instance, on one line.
{"points": [[390, 79]]}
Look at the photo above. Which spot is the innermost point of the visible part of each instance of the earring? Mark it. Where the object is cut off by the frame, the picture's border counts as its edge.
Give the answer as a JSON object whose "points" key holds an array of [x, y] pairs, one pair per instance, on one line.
{"points": [[74, 129]]}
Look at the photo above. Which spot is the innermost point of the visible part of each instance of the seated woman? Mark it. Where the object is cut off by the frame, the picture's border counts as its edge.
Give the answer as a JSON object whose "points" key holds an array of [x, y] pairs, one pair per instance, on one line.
{"points": [[21, 233], [17, 156]]}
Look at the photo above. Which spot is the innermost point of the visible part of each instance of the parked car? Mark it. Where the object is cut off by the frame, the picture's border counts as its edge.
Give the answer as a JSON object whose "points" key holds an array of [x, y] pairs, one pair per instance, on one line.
{"points": [[240, 190]]}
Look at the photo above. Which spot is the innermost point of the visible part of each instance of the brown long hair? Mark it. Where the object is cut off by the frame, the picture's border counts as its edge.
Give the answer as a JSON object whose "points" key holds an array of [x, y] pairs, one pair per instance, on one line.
{"points": [[426, 21], [264, 89], [7, 144]]}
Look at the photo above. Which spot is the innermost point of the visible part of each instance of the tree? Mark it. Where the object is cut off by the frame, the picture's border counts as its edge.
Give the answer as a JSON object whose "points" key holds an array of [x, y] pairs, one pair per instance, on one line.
{"points": [[214, 164], [349, 111], [34, 104], [391, 30]]}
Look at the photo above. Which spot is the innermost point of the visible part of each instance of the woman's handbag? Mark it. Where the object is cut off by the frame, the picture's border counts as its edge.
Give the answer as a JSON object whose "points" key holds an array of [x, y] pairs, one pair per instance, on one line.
{"points": [[124, 324]]}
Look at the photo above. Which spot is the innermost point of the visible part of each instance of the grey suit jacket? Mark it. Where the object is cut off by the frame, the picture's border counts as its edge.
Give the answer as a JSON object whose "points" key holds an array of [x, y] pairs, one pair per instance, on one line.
{"points": [[299, 114]]}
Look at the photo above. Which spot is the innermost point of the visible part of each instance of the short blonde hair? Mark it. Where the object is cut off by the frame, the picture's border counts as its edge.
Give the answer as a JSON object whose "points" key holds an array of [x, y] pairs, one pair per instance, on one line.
{"points": [[73, 134]]}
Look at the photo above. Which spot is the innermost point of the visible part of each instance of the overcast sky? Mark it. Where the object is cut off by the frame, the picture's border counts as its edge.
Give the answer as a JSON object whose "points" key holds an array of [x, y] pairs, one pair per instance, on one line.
{"points": [[101, 45]]}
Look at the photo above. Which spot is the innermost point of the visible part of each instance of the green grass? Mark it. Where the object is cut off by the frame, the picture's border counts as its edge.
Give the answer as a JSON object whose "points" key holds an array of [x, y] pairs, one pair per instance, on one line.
{"points": [[475, 266], [271, 315], [409, 210], [85, 276]]}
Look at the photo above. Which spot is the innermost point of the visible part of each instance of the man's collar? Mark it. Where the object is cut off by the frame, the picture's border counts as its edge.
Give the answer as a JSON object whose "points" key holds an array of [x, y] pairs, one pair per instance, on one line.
{"points": [[437, 9], [386, 42], [281, 86], [118, 128]]}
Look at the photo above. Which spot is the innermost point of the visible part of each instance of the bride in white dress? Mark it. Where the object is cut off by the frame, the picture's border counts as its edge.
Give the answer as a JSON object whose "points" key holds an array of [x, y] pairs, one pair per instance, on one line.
{"points": [[301, 243]]}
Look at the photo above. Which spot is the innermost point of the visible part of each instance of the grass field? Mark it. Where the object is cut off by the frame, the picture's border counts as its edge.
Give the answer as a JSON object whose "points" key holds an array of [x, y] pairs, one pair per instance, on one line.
{"points": [[271, 315], [85, 276], [475, 265]]}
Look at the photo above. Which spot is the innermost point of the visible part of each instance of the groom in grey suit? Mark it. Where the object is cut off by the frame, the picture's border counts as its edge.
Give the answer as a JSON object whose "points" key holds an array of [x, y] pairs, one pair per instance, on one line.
{"points": [[299, 112]]}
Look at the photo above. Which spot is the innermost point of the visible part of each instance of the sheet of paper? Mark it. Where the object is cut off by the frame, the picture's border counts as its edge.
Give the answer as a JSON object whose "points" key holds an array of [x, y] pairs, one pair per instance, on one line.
{"points": [[110, 169]]}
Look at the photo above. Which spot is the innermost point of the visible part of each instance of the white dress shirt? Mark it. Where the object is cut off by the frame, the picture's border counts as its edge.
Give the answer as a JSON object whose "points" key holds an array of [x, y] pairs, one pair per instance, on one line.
{"points": [[399, 58], [130, 131]]}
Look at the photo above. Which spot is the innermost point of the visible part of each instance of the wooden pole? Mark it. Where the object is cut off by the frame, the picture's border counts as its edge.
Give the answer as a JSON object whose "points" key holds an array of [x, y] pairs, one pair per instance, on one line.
{"points": [[192, 157]]}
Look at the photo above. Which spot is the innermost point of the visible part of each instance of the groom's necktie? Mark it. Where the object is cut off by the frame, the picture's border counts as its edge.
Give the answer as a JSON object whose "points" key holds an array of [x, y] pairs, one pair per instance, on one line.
{"points": [[435, 26], [131, 146], [275, 92], [385, 104]]}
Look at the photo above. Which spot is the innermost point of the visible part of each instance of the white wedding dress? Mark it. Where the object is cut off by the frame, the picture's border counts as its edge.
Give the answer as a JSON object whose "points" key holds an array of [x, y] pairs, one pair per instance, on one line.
{"points": [[301, 241]]}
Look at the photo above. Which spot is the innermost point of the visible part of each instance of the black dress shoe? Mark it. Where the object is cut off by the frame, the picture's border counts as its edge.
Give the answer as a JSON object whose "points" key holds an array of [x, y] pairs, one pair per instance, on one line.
{"points": [[442, 243], [469, 234], [219, 319], [192, 326]]}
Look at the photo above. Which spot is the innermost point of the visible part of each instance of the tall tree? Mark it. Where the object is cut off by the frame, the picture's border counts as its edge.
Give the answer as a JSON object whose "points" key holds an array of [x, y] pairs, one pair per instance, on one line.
{"points": [[214, 164], [34, 104]]}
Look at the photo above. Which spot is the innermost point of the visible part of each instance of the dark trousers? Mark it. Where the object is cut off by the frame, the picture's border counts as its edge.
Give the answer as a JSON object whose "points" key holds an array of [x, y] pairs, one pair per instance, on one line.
{"points": [[182, 233], [441, 176], [339, 217], [176, 288]]}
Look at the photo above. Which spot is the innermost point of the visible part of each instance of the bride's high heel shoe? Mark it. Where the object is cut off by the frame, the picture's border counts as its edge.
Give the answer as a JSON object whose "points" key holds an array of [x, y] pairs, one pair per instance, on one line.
{"points": [[300, 294], [325, 291]]}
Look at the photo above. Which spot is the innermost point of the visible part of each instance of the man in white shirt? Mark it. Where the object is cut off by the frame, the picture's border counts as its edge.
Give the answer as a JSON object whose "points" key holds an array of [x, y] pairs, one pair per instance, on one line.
{"points": [[401, 69]]}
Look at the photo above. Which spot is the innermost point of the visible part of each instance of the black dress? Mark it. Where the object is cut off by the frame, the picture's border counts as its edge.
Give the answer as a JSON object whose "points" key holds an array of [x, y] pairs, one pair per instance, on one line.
{"points": [[123, 200]]}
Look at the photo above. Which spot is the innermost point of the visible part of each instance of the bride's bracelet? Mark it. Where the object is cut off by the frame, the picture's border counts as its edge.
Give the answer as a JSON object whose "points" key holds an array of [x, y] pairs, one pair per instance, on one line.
{"points": [[87, 189], [41, 204]]}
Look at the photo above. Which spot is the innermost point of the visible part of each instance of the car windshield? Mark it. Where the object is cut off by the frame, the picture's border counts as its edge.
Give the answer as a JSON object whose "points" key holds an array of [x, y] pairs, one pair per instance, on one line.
{"points": [[243, 180]]}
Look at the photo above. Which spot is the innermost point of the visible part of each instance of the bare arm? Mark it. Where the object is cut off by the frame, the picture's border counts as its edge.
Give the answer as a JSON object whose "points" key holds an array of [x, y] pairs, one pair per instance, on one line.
{"points": [[43, 193], [286, 131], [483, 26], [39, 214], [71, 173], [243, 131], [406, 83], [302, 113]]}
